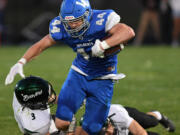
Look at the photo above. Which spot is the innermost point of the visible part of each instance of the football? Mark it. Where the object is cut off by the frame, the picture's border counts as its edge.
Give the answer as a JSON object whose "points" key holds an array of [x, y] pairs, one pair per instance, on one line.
{"points": [[114, 50]]}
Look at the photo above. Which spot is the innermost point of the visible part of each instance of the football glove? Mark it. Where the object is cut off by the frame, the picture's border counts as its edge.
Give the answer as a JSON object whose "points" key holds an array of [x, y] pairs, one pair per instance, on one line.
{"points": [[16, 69], [97, 51]]}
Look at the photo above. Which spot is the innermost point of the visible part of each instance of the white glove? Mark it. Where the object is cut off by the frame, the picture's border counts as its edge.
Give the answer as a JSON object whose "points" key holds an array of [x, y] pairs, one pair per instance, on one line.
{"points": [[97, 51], [16, 69], [99, 48]]}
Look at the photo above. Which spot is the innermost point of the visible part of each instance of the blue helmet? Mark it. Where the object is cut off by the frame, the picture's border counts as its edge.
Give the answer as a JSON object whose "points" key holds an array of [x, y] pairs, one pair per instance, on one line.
{"points": [[72, 11]]}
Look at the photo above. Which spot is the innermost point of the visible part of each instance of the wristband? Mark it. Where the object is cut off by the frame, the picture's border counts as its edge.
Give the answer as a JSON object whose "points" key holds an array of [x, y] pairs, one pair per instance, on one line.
{"points": [[22, 61], [104, 45], [121, 46]]}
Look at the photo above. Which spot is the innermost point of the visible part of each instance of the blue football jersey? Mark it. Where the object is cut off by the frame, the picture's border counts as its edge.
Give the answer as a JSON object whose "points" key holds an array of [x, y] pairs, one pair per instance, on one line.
{"points": [[93, 67]]}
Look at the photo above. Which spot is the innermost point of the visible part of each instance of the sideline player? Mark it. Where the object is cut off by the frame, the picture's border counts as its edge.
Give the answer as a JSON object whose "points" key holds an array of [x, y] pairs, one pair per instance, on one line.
{"points": [[32, 98], [89, 33]]}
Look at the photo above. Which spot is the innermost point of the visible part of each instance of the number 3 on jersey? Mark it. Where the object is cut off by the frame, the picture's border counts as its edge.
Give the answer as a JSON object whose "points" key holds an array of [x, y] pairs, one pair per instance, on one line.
{"points": [[33, 116]]}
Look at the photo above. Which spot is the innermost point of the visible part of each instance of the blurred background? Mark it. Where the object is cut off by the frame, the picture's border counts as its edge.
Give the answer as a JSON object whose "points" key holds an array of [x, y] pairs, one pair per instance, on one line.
{"points": [[24, 22]]}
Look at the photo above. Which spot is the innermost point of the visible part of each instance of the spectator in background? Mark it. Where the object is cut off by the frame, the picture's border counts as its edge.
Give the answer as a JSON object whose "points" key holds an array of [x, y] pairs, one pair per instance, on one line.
{"points": [[166, 21], [175, 4], [150, 16], [3, 4]]}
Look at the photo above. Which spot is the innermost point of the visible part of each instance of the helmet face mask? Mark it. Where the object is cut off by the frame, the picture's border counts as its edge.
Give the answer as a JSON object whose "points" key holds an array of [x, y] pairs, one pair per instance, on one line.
{"points": [[51, 97], [80, 11], [34, 93]]}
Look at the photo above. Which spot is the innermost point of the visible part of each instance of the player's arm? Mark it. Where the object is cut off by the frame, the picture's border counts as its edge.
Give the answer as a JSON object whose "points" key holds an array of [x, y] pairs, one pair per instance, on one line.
{"points": [[38, 47], [33, 51], [136, 129], [119, 33]]}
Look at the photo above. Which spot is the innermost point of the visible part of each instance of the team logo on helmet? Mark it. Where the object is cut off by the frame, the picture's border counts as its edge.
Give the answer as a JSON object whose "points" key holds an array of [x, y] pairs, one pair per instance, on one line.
{"points": [[27, 97], [35, 93], [69, 17]]}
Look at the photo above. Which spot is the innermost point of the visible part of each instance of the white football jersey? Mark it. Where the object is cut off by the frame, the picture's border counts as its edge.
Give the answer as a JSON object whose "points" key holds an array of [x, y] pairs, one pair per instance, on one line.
{"points": [[36, 122], [121, 118]]}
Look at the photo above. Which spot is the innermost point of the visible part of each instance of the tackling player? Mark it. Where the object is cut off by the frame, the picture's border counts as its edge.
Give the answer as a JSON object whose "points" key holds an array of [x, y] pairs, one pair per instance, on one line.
{"points": [[89, 33], [130, 121], [32, 98]]}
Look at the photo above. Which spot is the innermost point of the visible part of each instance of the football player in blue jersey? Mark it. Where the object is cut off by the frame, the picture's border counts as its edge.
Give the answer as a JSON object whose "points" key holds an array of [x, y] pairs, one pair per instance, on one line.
{"points": [[89, 33]]}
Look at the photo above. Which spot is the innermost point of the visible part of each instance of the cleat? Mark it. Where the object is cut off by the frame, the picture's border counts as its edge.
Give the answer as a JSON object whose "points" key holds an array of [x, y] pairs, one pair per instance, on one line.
{"points": [[168, 124]]}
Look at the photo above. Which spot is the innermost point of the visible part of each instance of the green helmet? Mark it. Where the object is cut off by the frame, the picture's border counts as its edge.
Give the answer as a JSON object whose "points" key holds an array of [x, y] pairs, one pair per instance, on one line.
{"points": [[35, 93]]}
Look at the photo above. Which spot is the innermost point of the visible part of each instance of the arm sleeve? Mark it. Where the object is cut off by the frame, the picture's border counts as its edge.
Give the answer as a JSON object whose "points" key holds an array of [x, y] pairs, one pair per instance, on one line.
{"points": [[112, 20]]}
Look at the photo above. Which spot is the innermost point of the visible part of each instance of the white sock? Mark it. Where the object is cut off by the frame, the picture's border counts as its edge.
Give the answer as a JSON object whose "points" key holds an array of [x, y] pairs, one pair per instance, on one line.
{"points": [[159, 116]]}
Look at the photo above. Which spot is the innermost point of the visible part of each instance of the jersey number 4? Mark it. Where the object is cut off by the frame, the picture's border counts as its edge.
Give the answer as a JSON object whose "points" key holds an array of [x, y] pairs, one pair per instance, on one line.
{"points": [[101, 20]]}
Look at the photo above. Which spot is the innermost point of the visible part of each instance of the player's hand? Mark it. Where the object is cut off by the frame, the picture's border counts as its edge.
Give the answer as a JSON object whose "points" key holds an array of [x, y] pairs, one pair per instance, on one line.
{"points": [[16, 69], [97, 50]]}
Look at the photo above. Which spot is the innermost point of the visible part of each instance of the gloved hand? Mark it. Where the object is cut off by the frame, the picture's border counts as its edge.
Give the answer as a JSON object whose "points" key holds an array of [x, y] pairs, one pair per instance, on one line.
{"points": [[97, 51], [16, 69]]}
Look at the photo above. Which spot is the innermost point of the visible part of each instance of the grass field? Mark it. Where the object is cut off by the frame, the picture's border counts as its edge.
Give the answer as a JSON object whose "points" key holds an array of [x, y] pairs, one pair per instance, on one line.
{"points": [[152, 82]]}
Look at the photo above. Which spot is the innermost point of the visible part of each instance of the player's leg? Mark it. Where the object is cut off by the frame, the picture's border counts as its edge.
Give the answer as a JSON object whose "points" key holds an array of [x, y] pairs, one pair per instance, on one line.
{"points": [[176, 31], [136, 129], [144, 21], [163, 120], [146, 121], [93, 121], [69, 100], [156, 25], [97, 105]]}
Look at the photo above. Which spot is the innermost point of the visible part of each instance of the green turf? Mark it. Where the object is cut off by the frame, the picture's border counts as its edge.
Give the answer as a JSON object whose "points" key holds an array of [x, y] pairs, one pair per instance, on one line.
{"points": [[152, 82]]}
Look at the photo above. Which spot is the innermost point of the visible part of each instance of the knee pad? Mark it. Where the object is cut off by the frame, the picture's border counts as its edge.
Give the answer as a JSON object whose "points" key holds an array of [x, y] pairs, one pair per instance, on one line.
{"points": [[92, 129]]}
